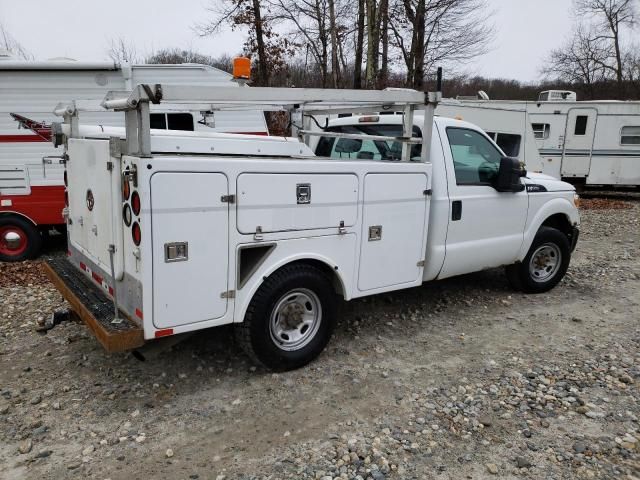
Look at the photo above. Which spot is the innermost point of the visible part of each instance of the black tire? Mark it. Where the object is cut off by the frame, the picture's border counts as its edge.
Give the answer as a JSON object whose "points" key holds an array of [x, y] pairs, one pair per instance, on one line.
{"points": [[256, 334], [524, 277], [30, 242]]}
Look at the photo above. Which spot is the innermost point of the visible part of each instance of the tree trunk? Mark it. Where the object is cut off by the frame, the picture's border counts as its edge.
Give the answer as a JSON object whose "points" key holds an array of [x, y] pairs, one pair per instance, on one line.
{"points": [[335, 66], [373, 41], [263, 72], [357, 66], [384, 32], [419, 48]]}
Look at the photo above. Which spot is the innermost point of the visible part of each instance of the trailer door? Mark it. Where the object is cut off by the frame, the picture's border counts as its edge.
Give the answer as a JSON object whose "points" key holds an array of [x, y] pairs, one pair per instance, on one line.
{"points": [[579, 134], [190, 247]]}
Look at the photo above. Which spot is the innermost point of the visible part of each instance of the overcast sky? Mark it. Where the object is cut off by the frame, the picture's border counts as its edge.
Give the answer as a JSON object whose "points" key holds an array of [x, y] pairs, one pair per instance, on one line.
{"points": [[525, 30]]}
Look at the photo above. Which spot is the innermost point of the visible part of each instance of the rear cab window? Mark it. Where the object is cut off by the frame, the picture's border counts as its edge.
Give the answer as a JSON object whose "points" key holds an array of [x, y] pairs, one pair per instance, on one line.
{"points": [[382, 150]]}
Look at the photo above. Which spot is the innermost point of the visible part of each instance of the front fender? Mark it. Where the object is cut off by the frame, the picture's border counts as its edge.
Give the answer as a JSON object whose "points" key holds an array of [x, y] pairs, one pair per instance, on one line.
{"points": [[549, 208]]}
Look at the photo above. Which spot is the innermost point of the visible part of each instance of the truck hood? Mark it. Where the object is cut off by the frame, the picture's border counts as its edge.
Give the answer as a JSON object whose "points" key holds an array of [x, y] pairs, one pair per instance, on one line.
{"points": [[549, 183]]}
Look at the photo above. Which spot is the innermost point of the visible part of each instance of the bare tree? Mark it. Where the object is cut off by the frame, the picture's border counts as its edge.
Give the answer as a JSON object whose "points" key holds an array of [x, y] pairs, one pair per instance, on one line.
{"points": [[438, 32], [262, 40], [609, 16], [121, 50], [11, 45], [582, 60]]}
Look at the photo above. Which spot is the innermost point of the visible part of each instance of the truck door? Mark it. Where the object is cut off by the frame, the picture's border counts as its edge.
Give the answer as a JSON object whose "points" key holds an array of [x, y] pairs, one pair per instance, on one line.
{"points": [[579, 133], [394, 230], [486, 227], [190, 247]]}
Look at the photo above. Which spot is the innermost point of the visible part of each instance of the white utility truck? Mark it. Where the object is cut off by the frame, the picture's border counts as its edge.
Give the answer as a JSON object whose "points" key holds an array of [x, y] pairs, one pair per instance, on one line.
{"points": [[174, 232]]}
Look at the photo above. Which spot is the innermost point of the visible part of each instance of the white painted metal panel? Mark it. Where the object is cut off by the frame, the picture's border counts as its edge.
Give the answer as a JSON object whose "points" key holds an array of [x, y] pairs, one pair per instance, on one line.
{"points": [[186, 207], [270, 201], [396, 204], [14, 180], [576, 160], [95, 200]]}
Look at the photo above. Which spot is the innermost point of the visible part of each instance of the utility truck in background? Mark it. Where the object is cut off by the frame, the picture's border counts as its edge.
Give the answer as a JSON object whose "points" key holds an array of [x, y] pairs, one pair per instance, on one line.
{"points": [[175, 232], [31, 172]]}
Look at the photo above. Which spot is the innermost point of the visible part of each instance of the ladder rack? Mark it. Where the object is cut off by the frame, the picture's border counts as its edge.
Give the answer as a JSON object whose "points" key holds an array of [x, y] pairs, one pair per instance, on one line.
{"points": [[300, 103]]}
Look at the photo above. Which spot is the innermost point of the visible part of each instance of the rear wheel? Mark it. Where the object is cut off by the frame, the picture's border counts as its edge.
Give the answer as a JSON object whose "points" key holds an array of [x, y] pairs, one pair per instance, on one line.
{"points": [[545, 264], [19, 239], [290, 318]]}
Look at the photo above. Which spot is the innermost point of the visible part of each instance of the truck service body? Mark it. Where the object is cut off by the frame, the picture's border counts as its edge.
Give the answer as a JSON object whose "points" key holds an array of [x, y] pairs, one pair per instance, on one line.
{"points": [[31, 175], [184, 231]]}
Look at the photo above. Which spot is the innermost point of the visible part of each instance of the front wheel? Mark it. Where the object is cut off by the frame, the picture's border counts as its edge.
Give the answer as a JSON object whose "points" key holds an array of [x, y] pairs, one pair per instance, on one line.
{"points": [[290, 318], [545, 264], [19, 239]]}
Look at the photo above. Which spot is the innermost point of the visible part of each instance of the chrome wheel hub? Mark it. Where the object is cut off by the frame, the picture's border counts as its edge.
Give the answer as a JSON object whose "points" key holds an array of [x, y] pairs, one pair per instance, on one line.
{"points": [[545, 262], [12, 240], [295, 320]]}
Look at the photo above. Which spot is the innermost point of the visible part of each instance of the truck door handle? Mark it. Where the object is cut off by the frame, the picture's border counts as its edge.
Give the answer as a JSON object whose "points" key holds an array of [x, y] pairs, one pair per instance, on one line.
{"points": [[456, 210]]}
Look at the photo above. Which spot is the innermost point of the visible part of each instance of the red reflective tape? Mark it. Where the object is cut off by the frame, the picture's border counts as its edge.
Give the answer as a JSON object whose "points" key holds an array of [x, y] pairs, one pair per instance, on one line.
{"points": [[97, 277], [164, 333], [83, 266], [22, 139], [111, 291], [139, 313]]}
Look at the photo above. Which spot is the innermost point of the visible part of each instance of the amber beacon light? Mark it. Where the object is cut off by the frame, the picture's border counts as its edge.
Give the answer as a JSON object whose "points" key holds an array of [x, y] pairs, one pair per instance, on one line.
{"points": [[241, 68]]}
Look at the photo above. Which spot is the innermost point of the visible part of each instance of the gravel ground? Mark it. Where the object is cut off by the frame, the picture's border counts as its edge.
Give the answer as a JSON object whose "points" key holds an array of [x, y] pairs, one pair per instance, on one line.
{"points": [[457, 379]]}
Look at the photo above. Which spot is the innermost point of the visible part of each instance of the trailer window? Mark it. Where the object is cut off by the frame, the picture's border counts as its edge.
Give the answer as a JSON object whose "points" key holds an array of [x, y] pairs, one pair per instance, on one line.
{"points": [[158, 121], [509, 143], [366, 149], [541, 130], [475, 159], [172, 121], [630, 136], [581, 125]]}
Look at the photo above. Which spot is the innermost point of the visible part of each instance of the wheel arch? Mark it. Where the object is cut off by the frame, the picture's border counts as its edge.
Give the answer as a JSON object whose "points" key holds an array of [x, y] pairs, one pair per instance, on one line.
{"points": [[13, 213], [558, 213], [319, 261]]}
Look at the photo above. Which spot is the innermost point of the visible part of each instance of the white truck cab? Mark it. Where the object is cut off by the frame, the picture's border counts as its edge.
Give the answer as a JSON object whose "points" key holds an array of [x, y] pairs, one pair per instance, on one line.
{"points": [[174, 233]]}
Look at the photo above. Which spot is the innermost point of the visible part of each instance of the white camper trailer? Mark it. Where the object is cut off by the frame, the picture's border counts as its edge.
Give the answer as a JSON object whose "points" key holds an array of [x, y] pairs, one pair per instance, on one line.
{"points": [[585, 142], [31, 171]]}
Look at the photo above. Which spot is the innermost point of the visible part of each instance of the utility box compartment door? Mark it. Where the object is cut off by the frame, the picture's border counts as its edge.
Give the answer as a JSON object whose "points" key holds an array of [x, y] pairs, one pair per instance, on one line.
{"points": [[278, 202], [95, 202], [190, 236], [394, 230]]}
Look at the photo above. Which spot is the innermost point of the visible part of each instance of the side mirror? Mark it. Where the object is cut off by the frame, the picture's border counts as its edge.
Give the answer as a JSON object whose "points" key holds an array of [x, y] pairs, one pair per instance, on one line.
{"points": [[348, 145], [509, 174]]}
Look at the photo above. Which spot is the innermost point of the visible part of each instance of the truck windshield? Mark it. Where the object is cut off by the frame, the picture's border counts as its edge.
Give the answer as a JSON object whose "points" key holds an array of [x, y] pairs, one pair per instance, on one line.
{"points": [[366, 149]]}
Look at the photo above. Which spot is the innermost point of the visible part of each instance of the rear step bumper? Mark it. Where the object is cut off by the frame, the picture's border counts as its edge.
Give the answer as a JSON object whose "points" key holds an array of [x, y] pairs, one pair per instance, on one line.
{"points": [[93, 307]]}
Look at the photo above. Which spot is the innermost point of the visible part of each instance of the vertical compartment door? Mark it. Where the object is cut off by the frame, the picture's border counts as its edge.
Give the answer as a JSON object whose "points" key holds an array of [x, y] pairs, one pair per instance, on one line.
{"points": [[394, 230], [190, 235]]}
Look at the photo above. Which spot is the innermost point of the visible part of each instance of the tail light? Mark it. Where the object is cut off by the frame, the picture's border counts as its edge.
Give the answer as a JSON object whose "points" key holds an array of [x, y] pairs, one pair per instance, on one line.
{"points": [[126, 188], [135, 203], [126, 215], [136, 234]]}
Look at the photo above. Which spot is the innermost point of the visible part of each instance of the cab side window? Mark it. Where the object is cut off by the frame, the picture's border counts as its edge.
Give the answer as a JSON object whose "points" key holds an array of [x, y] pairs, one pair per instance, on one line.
{"points": [[475, 159]]}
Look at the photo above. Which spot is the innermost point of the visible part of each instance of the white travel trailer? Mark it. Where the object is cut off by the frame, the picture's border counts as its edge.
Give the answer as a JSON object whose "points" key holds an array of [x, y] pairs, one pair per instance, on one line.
{"points": [[31, 173], [584, 142]]}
